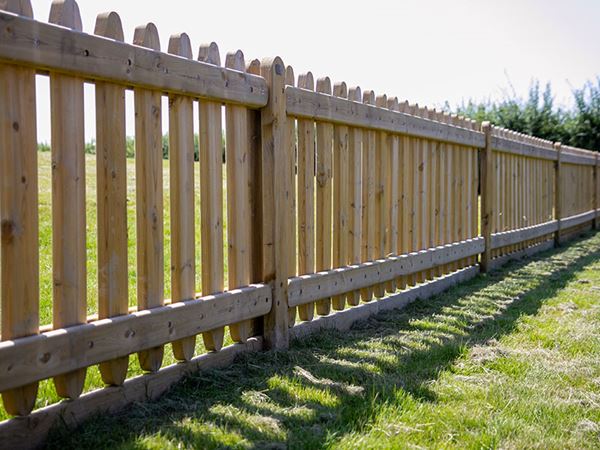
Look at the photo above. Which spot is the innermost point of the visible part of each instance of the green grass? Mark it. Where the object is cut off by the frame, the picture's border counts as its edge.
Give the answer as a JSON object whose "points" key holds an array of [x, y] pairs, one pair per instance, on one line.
{"points": [[507, 360]]}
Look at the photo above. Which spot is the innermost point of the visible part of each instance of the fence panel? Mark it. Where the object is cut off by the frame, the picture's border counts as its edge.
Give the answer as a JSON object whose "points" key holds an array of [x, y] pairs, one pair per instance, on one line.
{"points": [[332, 200], [75, 341], [406, 207], [522, 170]]}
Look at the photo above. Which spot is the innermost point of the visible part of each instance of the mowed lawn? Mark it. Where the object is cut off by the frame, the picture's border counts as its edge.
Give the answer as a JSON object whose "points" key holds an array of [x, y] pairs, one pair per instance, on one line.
{"points": [[47, 393], [507, 360]]}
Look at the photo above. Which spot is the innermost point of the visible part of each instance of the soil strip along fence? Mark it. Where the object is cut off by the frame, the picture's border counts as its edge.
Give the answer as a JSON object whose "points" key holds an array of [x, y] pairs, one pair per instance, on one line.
{"points": [[339, 203]]}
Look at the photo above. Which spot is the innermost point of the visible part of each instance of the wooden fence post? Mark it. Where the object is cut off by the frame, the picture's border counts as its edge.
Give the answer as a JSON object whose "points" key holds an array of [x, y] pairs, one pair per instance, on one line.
{"points": [[557, 193], [487, 187], [277, 203]]}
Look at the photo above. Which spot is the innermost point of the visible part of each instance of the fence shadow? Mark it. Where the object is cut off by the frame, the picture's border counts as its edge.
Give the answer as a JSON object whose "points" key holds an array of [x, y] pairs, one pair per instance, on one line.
{"points": [[336, 381]]}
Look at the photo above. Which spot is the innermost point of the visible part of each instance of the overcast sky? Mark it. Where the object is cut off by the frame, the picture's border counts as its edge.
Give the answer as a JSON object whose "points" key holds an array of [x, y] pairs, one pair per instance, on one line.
{"points": [[425, 51]]}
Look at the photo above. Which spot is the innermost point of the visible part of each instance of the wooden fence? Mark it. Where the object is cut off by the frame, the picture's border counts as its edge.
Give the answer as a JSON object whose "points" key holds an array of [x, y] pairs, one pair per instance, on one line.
{"points": [[338, 204]]}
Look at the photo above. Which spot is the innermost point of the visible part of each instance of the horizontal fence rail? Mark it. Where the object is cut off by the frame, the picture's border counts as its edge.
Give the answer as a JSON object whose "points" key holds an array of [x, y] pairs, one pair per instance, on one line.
{"points": [[293, 204]]}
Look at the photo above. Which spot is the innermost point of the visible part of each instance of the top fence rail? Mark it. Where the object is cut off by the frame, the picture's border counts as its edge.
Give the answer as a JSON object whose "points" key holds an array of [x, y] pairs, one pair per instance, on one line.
{"points": [[48, 47]]}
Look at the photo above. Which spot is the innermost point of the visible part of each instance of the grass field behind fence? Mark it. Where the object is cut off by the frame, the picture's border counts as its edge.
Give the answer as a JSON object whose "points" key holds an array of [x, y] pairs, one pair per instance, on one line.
{"points": [[507, 360]]}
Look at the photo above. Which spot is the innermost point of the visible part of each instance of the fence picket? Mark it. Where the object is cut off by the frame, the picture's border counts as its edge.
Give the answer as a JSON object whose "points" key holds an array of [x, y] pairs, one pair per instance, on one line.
{"points": [[306, 196], [381, 207], [340, 195], [291, 141], [393, 180], [181, 182], [111, 173], [355, 181], [368, 196], [149, 197], [238, 197], [211, 196], [18, 211], [68, 199], [324, 195]]}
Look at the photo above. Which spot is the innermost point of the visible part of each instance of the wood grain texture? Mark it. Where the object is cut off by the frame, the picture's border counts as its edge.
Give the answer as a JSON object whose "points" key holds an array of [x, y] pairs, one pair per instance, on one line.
{"points": [[181, 184], [211, 196], [60, 351], [343, 320], [380, 194], [290, 141], [238, 196], [68, 199], [324, 107], [306, 197], [337, 281], [368, 196], [91, 57], [277, 203], [111, 176], [19, 253], [324, 195], [149, 197], [340, 195], [355, 231], [393, 179]]}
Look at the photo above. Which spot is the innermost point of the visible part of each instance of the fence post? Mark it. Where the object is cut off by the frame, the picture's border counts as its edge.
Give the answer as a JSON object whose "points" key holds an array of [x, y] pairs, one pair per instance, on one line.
{"points": [[276, 203], [557, 193], [487, 185]]}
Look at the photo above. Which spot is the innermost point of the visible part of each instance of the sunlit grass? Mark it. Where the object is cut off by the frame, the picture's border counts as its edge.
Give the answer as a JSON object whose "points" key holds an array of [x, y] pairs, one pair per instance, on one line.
{"points": [[507, 360]]}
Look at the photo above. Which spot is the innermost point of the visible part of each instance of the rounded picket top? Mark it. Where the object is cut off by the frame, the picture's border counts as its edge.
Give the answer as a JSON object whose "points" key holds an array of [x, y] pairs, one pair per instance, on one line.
{"points": [[290, 79], [66, 13], [369, 97], [253, 67], [20, 7], [381, 101], [306, 81], [324, 85], [393, 104], [209, 53], [272, 66], [340, 89], [147, 36], [355, 94], [235, 61], [109, 25], [179, 44]]}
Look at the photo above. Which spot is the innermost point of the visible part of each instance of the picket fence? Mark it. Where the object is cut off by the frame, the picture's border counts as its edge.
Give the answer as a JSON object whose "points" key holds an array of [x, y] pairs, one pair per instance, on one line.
{"points": [[338, 204]]}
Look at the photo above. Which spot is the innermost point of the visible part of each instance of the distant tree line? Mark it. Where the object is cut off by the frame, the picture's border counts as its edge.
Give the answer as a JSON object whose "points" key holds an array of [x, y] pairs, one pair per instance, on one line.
{"points": [[537, 115]]}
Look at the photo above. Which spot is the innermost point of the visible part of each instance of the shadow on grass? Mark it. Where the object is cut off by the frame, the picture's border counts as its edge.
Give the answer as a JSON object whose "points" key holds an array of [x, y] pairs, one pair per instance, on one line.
{"points": [[334, 383]]}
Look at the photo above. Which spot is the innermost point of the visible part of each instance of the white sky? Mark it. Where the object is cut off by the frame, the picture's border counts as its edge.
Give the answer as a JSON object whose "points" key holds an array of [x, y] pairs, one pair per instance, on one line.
{"points": [[427, 51]]}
